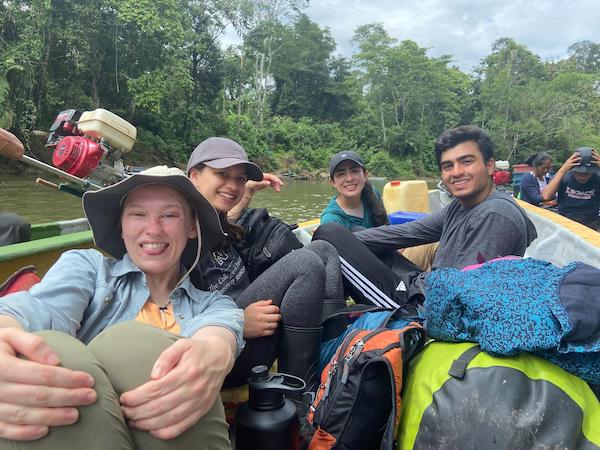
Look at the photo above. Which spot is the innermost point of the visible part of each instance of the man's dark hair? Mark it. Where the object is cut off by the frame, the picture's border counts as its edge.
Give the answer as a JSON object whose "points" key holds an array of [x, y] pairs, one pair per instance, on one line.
{"points": [[454, 136]]}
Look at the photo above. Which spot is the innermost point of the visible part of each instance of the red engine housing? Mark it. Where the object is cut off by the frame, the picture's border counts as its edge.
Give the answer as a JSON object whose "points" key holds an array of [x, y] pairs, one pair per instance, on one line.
{"points": [[501, 177], [77, 155]]}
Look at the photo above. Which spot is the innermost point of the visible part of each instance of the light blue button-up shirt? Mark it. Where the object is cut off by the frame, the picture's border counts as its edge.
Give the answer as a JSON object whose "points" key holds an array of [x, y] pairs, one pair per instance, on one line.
{"points": [[86, 292]]}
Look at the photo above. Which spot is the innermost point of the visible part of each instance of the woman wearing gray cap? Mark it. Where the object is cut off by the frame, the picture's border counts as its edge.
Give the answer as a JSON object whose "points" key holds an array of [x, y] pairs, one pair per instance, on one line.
{"points": [[122, 352], [578, 185], [283, 305]]}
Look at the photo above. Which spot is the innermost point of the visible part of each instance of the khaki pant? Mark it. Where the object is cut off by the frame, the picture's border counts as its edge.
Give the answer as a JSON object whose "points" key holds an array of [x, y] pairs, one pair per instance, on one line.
{"points": [[120, 359], [421, 255]]}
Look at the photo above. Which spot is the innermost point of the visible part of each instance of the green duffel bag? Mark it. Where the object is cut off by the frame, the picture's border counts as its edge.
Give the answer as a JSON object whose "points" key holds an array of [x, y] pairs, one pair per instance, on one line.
{"points": [[458, 397]]}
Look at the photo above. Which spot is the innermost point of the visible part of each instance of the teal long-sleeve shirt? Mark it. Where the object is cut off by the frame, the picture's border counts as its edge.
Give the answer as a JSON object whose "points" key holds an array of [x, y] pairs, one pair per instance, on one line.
{"points": [[333, 213]]}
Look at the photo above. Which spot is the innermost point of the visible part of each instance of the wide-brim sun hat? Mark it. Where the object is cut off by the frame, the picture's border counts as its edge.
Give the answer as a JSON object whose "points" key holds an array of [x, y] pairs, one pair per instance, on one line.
{"points": [[220, 153], [103, 211], [340, 157], [586, 163]]}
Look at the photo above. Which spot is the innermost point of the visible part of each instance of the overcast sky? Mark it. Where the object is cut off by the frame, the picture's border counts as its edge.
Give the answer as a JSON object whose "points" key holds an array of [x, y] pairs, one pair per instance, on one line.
{"points": [[465, 29]]}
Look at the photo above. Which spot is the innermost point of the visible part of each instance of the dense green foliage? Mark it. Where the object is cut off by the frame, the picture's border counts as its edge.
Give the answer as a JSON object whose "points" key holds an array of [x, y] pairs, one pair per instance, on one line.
{"points": [[282, 93]]}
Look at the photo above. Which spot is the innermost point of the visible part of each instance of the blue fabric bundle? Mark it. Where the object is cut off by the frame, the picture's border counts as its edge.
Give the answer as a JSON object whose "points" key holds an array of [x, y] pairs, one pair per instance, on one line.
{"points": [[509, 306], [367, 321]]}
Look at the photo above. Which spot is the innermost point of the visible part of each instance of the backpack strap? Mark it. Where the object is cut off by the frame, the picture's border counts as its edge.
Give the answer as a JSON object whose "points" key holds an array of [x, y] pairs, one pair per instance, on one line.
{"points": [[408, 312], [460, 364], [388, 442], [404, 311], [354, 309]]}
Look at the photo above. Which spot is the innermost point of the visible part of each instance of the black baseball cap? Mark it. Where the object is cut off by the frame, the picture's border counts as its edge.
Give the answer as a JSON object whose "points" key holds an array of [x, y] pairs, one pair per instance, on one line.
{"points": [[586, 163], [347, 155], [220, 153]]}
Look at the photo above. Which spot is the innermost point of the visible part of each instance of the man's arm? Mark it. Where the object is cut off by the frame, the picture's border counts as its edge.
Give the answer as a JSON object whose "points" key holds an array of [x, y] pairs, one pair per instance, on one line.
{"points": [[596, 158], [10, 146], [554, 184], [392, 237]]}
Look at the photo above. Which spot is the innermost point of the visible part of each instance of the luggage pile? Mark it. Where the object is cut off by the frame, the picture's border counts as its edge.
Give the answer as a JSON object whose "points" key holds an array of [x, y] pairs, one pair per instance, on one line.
{"points": [[514, 367]]}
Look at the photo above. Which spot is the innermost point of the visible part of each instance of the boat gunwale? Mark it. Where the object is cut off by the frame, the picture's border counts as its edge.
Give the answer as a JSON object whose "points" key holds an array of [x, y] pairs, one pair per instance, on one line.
{"points": [[44, 245]]}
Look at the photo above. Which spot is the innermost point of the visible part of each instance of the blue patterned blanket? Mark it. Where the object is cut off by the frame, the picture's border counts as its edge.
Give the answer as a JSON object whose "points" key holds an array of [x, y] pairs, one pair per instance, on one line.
{"points": [[509, 306]]}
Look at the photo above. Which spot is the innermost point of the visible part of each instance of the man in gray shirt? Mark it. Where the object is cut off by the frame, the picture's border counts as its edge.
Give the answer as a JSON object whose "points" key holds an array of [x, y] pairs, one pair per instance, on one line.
{"points": [[480, 224]]}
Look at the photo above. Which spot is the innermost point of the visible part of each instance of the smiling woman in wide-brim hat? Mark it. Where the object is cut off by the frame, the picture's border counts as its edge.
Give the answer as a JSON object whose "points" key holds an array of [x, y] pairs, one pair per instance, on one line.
{"points": [[103, 211], [123, 327]]}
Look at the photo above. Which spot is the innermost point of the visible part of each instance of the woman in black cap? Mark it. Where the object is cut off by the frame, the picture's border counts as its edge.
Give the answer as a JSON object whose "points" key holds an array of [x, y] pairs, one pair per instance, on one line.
{"points": [[122, 352], [357, 205], [578, 185], [283, 305]]}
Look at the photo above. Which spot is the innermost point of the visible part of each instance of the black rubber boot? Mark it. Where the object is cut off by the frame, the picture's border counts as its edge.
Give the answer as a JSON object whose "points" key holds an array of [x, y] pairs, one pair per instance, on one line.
{"points": [[335, 326], [299, 350]]}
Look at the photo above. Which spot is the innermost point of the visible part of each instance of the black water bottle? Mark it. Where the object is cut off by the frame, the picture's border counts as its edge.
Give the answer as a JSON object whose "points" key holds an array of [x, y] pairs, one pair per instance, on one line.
{"points": [[268, 421]]}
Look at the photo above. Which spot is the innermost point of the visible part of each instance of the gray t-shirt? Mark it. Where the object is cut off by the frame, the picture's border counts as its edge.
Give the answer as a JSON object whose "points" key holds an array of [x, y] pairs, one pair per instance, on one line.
{"points": [[495, 227]]}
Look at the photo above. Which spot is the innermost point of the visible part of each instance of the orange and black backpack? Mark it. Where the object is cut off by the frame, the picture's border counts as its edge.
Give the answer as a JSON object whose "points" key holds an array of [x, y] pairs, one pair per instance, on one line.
{"points": [[357, 405]]}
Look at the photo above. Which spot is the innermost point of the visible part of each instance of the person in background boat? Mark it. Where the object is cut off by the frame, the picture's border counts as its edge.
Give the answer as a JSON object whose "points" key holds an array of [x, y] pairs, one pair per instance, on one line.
{"points": [[123, 352], [578, 185], [357, 204], [284, 304], [480, 224], [534, 182], [13, 228]]}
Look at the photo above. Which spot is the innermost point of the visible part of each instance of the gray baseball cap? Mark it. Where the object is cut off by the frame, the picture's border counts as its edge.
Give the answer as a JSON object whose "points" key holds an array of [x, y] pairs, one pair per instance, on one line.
{"points": [[586, 163], [340, 157], [219, 153]]}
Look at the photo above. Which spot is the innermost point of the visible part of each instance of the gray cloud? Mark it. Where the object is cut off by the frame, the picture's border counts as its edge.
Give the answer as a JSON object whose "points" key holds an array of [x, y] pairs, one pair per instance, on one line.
{"points": [[465, 29]]}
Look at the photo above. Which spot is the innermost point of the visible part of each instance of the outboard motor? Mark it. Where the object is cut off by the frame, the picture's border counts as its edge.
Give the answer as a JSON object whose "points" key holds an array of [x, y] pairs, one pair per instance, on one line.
{"points": [[89, 145], [501, 176]]}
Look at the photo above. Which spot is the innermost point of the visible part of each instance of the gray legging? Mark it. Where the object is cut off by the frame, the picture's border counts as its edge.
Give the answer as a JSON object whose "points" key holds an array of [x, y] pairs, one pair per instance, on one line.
{"points": [[120, 359], [299, 283]]}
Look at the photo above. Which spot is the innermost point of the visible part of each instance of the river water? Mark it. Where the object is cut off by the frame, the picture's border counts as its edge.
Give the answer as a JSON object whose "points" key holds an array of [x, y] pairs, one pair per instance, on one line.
{"points": [[297, 201]]}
